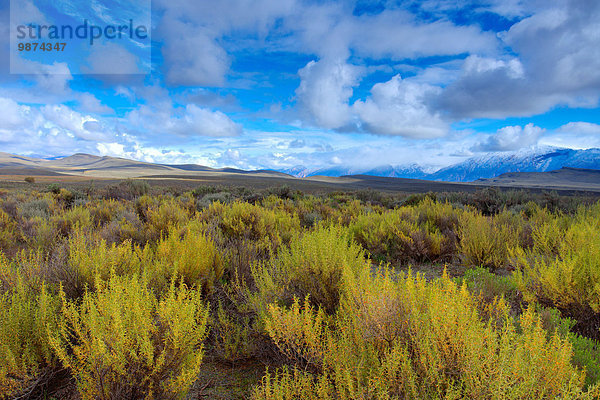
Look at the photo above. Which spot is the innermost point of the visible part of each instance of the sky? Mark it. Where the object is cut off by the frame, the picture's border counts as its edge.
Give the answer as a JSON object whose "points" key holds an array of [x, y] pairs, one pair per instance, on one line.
{"points": [[279, 84]]}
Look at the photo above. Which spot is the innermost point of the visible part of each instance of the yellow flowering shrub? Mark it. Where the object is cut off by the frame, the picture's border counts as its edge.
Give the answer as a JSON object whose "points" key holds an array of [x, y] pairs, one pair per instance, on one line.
{"points": [[121, 341]]}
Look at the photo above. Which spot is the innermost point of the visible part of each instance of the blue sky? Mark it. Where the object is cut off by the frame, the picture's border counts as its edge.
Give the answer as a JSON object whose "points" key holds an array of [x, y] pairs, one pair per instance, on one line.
{"points": [[282, 83]]}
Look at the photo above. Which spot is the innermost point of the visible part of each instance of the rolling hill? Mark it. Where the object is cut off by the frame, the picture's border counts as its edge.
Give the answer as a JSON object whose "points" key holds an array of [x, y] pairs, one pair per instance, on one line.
{"points": [[558, 169]]}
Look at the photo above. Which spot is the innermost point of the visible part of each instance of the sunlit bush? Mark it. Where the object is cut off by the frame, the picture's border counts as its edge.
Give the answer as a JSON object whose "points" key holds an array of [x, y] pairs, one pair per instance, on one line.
{"points": [[266, 228], [406, 338], [563, 268], [194, 257], [487, 241], [121, 341], [426, 232], [311, 266], [25, 319]]}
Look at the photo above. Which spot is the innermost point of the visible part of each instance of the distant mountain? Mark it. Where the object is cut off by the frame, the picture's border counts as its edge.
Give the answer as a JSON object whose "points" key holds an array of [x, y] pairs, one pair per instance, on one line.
{"points": [[474, 169], [411, 171], [539, 159], [536, 160], [109, 167]]}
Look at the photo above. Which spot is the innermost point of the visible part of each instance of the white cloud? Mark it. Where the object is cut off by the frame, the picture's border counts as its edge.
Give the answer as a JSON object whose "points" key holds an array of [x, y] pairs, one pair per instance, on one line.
{"points": [[90, 103], [576, 135], [162, 118], [511, 138], [192, 55], [325, 89], [12, 115], [399, 107], [558, 63], [48, 130]]}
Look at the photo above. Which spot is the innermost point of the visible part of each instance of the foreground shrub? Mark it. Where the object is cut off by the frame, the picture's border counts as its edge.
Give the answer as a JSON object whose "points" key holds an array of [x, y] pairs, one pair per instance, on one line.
{"points": [[194, 257], [232, 335], [10, 234], [586, 352], [569, 276], [89, 258], [121, 342], [487, 241], [402, 337], [426, 232], [311, 266], [25, 318], [266, 228], [489, 286]]}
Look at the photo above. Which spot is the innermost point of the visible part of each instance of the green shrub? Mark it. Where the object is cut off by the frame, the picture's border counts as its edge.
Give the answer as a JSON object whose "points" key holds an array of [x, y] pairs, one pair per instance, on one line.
{"points": [[35, 208], [487, 241], [25, 319], [194, 257], [121, 342], [402, 337], [563, 269], [311, 266], [490, 286]]}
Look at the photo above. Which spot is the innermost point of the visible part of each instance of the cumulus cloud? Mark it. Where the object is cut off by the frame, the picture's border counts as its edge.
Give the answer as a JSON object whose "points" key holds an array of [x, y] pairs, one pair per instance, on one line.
{"points": [[48, 130], [90, 103], [396, 107], [163, 118], [577, 135], [325, 89], [399, 107], [12, 115], [111, 59], [192, 55], [511, 138], [557, 63]]}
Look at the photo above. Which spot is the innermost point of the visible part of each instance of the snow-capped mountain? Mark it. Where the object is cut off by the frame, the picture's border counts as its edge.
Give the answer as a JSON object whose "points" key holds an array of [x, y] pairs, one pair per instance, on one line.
{"points": [[407, 171], [540, 159], [535, 160]]}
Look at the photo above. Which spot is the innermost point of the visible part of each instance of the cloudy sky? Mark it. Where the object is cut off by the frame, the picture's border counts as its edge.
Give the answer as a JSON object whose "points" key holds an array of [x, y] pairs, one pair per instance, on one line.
{"points": [[281, 83]]}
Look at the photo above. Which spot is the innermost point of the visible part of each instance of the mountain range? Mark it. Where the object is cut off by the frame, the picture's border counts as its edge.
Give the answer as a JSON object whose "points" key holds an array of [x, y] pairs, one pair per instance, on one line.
{"points": [[541, 168], [541, 159]]}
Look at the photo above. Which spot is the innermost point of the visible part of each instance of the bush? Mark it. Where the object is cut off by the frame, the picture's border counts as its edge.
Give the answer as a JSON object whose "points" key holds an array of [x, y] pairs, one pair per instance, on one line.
{"points": [[490, 286], [129, 189], [191, 256], [401, 337], [25, 319], [563, 269], [29, 179], [487, 241], [166, 215], [10, 234], [426, 232], [208, 199], [35, 208], [311, 266], [69, 220], [90, 258], [232, 335], [266, 228], [121, 342]]}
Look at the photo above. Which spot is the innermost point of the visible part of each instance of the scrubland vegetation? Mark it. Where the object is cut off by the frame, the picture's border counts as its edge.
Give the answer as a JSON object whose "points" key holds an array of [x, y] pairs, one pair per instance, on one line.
{"points": [[130, 293]]}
